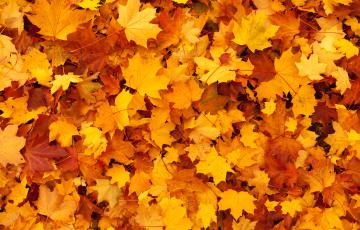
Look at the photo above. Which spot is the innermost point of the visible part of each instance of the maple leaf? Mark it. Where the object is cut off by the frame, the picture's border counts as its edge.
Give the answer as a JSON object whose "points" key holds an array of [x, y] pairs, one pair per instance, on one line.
{"points": [[330, 4], [56, 18], [16, 109], [321, 177], [264, 69], [63, 81], [120, 110], [215, 71], [54, 205], [214, 165], [338, 140], [174, 214], [237, 202], [203, 127], [270, 205], [38, 154], [161, 127], [12, 16], [11, 65], [37, 63], [260, 181], [243, 157], [286, 79], [248, 136], [206, 214], [118, 175], [184, 94], [90, 4], [11, 146], [346, 47], [291, 207], [106, 192], [254, 31], [63, 132], [139, 182], [149, 216], [311, 67], [137, 24], [289, 25], [19, 192], [342, 79], [304, 101], [94, 140], [145, 82], [270, 107]]}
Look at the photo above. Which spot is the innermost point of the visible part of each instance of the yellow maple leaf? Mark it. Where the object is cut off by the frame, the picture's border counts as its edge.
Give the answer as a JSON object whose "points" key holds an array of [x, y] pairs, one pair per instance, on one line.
{"points": [[54, 205], [215, 72], [243, 224], [237, 202], [145, 82], [270, 205], [304, 101], [342, 79], [106, 192], [311, 67], [12, 15], [13, 214], [184, 93], [38, 65], [254, 31], [149, 215], [63, 81], [243, 157], [62, 131], [11, 65], [329, 5], [207, 214], [248, 136], [338, 140], [108, 124], [90, 4], [172, 155], [94, 140], [160, 127], [214, 165], [137, 24], [139, 183], [346, 47], [321, 177], [120, 109], [260, 181], [11, 146], [16, 110], [291, 207], [203, 127], [270, 107], [118, 175], [174, 214], [19, 192], [286, 79], [56, 18], [225, 120], [354, 24]]}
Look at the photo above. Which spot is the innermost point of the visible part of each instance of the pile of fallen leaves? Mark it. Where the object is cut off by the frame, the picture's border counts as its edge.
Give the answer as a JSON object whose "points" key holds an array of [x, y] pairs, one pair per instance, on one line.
{"points": [[179, 114]]}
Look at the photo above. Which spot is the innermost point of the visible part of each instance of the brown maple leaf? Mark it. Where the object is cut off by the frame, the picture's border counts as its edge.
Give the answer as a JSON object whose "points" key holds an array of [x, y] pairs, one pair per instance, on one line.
{"points": [[38, 155]]}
